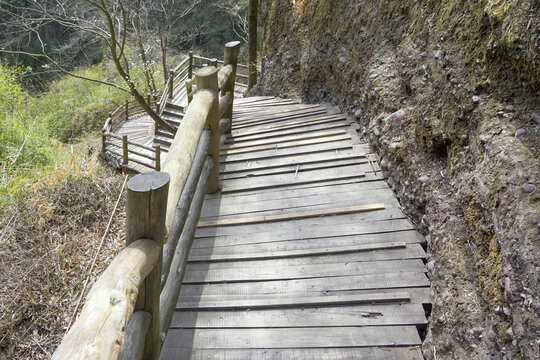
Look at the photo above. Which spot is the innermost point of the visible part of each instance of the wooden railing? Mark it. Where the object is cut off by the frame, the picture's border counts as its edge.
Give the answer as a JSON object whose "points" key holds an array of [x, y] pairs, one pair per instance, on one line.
{"points": [[120, 146], [130, 307], [184, 73]]}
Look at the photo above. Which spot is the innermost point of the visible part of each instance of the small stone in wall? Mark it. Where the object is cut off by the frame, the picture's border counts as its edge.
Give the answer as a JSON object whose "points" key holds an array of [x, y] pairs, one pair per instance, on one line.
{"points": [[396, 116], [528, 188], [423, 179], [521, 133], [358, 113], [475, 99]]}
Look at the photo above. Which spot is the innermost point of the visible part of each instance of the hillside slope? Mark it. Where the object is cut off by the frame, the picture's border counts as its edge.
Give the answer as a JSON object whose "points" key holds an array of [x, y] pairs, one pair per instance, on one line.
{"points": [[447, 92]]}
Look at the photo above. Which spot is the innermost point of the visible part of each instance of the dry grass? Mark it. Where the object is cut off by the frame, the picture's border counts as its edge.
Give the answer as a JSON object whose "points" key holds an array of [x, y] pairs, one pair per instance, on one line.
{"points": [[47, 244]]}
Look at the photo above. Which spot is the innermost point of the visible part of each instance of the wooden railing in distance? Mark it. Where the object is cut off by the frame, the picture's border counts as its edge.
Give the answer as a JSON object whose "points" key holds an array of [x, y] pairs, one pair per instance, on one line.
{"points": [[129, 309], [121, 146]]}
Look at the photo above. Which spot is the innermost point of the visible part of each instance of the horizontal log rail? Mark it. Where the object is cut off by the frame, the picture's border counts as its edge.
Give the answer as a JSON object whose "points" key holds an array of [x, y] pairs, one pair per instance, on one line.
{"points": [[129, 309]]}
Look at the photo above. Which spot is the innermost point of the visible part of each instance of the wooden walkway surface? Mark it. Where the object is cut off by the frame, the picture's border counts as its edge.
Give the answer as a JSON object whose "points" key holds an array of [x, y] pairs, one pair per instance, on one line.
{"points": [[305, 253]]}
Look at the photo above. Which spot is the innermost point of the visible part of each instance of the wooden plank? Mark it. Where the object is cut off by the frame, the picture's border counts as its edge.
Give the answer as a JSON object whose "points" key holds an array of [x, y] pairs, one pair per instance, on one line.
{"points": [[287, 145], [298, 125], [369, 177], [347, 315], [302, 177], [359, 282], [249, 114], [391, 211], [276, 120], [310, 228], [295, 131], [283, 139], [302, 302], [393, 353], [288, 123], [276, 113], [294, 215], [419, 295], [303, 271], [282, 153], [294, 169], [221, 207], [293, 337], [355, 253], [409, 237], [360, 190]]}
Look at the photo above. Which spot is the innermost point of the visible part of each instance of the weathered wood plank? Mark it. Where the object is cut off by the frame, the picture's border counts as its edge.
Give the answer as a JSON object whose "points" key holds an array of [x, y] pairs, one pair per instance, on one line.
{"points": [[287, 193], [302, 177], [295, 169], [358, 253], [297, 301], [283, 139], [419, 295], [274, 121], [335, 147], [347, 315], [303, 271], [218, 208], [409, 237], [293, 215], [394, 353], [363, 282], [286, 145], [294, 337], [344, 124], [300, 125], [312, 228]]}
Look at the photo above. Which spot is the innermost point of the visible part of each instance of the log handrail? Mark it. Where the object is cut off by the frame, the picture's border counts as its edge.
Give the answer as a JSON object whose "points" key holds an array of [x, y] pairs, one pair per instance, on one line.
{"points": [[129, 309]]}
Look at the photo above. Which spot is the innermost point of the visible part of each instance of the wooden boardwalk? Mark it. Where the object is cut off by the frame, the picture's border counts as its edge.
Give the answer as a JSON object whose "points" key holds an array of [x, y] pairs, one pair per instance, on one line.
{"points": [[305, 253], [140, 129]]}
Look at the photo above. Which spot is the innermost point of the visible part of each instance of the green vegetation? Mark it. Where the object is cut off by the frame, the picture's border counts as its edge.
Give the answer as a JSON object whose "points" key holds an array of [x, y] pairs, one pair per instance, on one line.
{"points": [[37, 132]]}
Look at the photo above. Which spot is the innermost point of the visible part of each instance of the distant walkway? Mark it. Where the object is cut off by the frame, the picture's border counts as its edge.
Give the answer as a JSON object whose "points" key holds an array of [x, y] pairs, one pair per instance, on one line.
{"points": [[139, 129], [305, 253]]}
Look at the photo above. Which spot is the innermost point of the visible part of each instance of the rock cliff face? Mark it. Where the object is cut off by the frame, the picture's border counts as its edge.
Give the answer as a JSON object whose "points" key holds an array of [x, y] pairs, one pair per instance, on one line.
{"points": [[446, 92]]}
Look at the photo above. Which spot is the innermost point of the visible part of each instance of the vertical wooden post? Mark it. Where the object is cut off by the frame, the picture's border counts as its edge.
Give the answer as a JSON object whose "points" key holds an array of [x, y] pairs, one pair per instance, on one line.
{"points": [[206, 78], [190, 65], [110, 122], [103, 139], [125, 158], [171, 85], [146, 210], [127, 109], [232, 49], [213, 62], [149, 99], [158, 158]]}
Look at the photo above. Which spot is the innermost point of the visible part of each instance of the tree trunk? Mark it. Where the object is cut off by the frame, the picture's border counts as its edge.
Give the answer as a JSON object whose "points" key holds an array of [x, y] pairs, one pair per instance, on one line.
{"points": [[252, 41]]}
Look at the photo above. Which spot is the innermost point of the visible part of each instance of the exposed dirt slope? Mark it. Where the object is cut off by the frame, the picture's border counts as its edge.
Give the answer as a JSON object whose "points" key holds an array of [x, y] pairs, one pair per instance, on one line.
{"points": [[447, 94]]}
